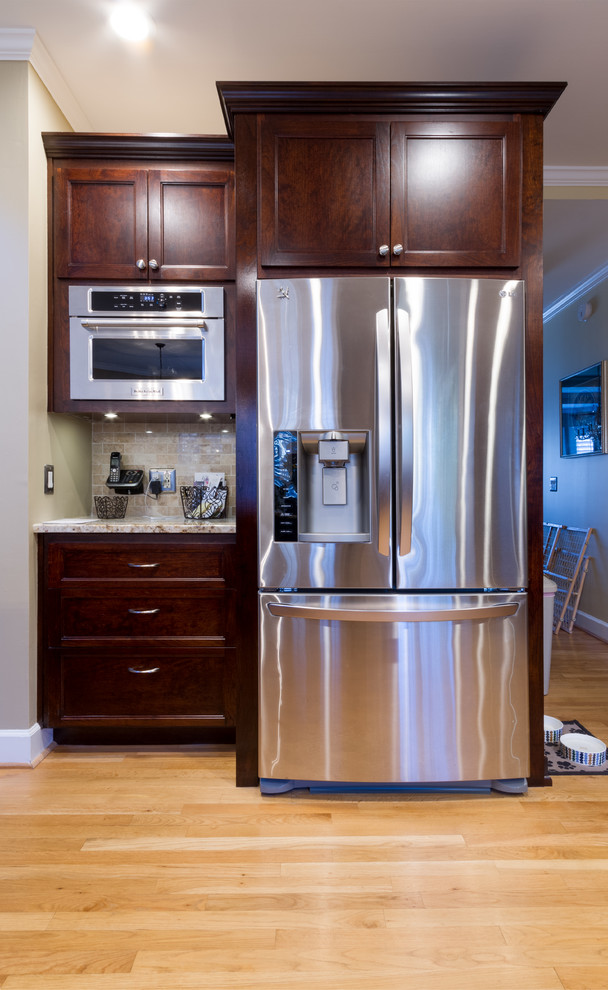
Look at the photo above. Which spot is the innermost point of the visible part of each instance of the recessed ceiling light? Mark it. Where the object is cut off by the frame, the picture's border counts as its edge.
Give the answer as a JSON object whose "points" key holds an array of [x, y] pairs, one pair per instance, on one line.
{"points": [[205, 416], [110, 415], [131, 22]]}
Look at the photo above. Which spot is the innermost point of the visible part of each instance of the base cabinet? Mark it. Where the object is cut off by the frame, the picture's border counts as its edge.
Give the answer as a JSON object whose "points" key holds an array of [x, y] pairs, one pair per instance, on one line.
{"points": [[137, 631]]}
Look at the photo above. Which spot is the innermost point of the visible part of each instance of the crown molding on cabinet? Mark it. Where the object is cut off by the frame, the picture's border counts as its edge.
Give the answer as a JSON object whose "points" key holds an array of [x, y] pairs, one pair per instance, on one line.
{"points": [[23, 45], [386, 97], [147, 147]]}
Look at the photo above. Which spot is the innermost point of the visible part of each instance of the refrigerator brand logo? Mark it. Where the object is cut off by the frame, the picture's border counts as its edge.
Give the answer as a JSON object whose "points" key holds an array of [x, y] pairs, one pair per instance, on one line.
{"points": [[506, 292], [282, 292]]}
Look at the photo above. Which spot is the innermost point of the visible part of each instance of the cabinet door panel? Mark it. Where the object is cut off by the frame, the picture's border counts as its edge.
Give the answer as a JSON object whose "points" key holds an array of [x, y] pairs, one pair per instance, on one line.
{"points": [[324, 192], [456, 193], [100, 222], [191, 232]]}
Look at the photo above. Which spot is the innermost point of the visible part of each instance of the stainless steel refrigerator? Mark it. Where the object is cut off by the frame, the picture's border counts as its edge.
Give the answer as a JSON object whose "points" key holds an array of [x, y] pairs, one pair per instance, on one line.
{"points": [[392, 533]]}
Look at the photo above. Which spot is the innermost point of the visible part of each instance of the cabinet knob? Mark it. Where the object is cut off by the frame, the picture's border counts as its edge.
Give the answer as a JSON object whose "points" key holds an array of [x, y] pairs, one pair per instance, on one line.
{"points": [[383, 250], [153, 263], [141, 264], [398, 248]]}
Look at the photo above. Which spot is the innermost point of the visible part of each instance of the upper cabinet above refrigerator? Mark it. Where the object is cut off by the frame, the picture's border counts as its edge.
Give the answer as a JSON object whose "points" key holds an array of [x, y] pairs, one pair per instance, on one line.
{"points": [[356, 192]]}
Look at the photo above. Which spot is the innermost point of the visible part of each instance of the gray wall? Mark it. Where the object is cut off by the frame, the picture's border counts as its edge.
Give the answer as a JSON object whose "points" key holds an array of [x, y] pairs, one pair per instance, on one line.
{"points": [[581, 499]]}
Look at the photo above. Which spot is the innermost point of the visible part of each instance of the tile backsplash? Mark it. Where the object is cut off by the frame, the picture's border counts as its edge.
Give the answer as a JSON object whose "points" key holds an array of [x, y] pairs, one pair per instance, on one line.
{"points": [[186, 447]]}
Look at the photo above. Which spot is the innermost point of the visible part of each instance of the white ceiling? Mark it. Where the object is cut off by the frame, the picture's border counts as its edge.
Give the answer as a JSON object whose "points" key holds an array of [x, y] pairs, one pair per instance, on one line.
{"points": [[168, 84]]}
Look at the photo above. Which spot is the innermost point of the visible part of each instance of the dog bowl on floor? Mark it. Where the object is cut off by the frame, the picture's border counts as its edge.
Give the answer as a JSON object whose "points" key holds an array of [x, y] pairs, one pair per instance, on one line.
{"points": [[583, 749], [553, 729]]}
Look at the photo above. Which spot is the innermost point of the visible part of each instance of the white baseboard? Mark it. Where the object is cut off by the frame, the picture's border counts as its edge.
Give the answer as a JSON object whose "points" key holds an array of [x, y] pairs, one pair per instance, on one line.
{"points": [[589, 623], [24, 747]]}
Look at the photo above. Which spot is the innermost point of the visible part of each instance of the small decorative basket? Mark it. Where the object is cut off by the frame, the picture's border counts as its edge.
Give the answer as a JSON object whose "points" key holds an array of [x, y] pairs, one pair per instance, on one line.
{"points": [[203, 503], [111, 506]]}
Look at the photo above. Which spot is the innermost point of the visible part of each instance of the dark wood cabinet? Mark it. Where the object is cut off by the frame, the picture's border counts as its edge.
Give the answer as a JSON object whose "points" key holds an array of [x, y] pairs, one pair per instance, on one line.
{"points": [[350, 192], [137, 630], [136, 209], [139, 224], [324, 191]]}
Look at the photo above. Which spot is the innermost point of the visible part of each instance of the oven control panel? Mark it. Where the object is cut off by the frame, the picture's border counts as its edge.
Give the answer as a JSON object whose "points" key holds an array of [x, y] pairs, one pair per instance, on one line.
{"points": [[146, 301]]}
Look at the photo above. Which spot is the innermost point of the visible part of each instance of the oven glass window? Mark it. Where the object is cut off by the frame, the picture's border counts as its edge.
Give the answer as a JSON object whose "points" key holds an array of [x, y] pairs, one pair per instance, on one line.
{"points": [[134, 360]]}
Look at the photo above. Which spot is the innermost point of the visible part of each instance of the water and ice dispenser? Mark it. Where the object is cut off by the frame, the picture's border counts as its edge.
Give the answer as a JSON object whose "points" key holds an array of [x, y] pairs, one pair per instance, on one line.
{"points": [[321, 486]]}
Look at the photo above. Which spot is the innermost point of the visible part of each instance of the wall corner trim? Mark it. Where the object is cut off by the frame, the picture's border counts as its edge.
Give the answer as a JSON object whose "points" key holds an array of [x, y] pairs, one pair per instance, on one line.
{"points": [[23, 44], [24, 747], [581, 289], [16, 44], [575, 175], [592, 625]]}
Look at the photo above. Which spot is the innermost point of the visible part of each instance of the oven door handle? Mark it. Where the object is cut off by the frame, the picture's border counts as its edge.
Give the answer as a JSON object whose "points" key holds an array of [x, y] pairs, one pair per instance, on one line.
{"points": [[144, 324]]}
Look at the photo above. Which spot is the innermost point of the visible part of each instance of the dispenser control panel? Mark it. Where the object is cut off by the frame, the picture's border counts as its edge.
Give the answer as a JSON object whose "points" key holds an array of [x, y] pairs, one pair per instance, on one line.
{"points": [[285, 486]]}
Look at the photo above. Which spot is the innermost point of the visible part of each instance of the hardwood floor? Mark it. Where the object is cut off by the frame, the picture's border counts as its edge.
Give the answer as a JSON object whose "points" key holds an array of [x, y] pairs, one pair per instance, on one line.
{"points": [[578, 687], [126, 869]]}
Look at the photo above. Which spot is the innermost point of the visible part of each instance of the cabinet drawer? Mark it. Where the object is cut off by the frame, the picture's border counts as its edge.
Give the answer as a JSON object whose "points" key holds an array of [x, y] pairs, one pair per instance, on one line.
{"points": [[147, 686], [136, 562], [151, 616]]}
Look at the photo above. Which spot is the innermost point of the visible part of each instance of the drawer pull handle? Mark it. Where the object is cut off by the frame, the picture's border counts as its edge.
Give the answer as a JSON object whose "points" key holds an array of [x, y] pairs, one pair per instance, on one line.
{"points": [[144, 611], [150, 670], [142, 565]]}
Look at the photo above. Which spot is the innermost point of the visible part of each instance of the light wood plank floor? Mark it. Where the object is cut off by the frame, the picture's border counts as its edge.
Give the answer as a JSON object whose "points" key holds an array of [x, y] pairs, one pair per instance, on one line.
{"points": [[126, 869]]}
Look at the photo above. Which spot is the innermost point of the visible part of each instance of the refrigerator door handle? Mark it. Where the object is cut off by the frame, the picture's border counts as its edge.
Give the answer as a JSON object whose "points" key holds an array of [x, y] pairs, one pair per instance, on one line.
{"points": [[383, 432], [388, 615], [405, 433]]}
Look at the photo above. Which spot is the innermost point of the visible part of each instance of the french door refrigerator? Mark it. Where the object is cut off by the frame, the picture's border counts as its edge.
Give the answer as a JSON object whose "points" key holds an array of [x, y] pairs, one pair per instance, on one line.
{"points": [[392, 533]]}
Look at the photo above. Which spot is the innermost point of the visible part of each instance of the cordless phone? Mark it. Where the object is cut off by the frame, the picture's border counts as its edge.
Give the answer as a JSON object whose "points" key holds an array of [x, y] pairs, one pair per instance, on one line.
{"points": [[114, 475], [130, 482]]}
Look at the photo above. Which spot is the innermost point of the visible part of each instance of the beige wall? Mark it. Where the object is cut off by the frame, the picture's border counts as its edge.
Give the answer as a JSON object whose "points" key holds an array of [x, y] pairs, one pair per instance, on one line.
{"points": [[29, 437], [63, 441]]}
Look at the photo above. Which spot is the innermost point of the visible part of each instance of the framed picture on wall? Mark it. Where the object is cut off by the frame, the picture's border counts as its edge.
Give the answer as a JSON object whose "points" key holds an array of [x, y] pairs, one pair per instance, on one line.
{"points": [[582, 406]]}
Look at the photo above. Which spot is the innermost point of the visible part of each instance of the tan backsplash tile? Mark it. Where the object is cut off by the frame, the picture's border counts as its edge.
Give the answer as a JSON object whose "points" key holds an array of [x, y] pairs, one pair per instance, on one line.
{"points": [[185, 447]]}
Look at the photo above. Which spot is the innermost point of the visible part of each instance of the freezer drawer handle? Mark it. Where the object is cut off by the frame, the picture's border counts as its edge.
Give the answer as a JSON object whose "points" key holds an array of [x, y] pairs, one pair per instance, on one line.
{"points": [[386, 615]]}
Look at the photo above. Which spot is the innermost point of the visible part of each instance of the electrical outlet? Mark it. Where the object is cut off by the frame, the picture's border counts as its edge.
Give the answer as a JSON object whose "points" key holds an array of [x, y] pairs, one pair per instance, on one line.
{"points": [[166, 476]]}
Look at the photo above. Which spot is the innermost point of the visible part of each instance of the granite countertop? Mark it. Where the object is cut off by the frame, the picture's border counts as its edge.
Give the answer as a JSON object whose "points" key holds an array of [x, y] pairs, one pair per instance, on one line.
{"points": [[136, 524]]}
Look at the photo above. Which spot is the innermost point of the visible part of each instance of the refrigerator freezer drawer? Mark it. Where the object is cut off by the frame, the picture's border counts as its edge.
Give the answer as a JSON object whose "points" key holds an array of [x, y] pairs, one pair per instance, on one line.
{"points": [[393, 688]]}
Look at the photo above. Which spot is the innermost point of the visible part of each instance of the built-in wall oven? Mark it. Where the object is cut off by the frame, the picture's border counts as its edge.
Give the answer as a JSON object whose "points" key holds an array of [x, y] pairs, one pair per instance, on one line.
{"points": [[129, 342]]}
